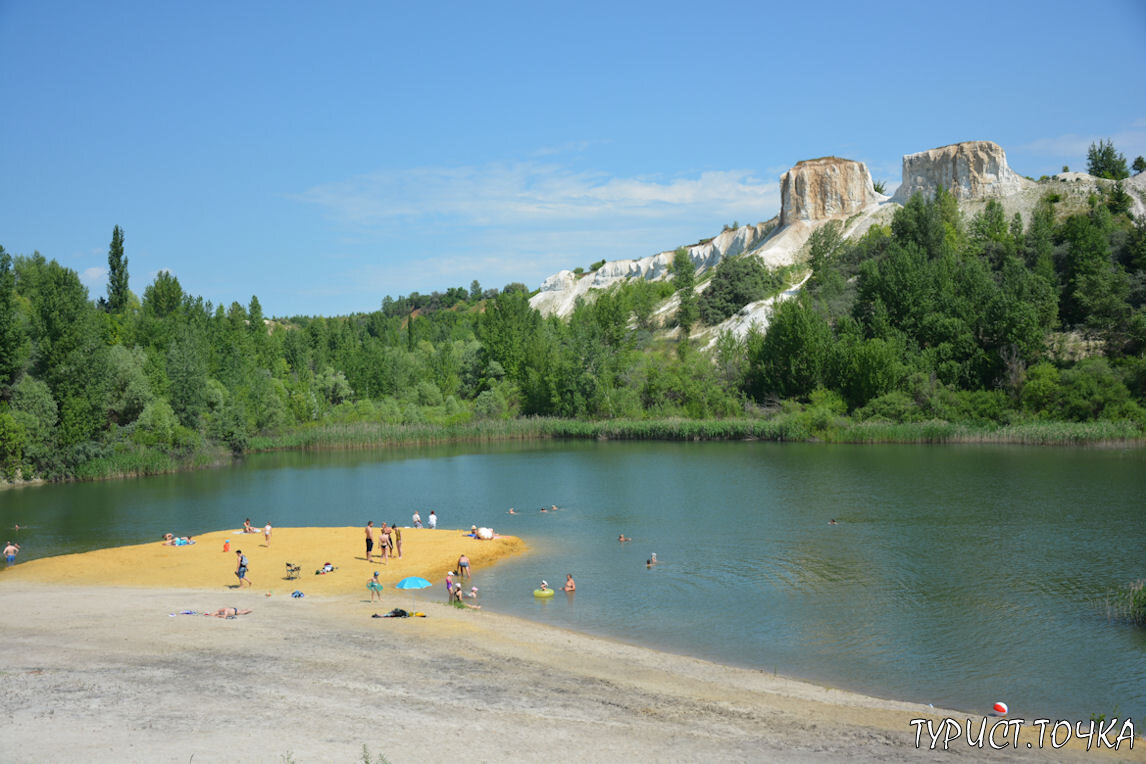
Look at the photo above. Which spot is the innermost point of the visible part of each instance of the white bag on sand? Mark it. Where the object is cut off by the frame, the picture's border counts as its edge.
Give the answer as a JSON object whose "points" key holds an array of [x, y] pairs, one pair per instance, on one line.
{"points": [[485, 533]]}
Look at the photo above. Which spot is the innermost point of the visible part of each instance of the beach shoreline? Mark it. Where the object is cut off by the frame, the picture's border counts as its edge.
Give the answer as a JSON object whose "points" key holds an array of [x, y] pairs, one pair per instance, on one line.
{"points": [[112, 671]]}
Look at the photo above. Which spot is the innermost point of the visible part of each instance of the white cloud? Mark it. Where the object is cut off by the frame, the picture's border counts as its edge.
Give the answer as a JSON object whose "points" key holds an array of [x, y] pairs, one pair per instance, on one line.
{"points": [[94, 276], [528, 194], [1073, 147], [568, 148]]}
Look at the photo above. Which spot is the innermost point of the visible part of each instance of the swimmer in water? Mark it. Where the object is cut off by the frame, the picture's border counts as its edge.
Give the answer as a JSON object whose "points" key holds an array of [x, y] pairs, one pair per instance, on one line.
{"points": [[622, 538]]}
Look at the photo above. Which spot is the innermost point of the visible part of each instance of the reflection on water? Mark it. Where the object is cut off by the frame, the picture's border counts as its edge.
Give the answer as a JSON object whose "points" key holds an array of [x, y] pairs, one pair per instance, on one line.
{"points": [[957, 575]]}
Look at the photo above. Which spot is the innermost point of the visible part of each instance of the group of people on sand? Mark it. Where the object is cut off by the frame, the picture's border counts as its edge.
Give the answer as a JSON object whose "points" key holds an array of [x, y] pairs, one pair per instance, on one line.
{"points": [[388, 539], [266, 530], [431, 521]]}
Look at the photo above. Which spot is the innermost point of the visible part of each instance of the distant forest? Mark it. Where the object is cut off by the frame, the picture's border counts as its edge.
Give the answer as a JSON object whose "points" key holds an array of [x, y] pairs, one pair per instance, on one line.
{"points": [[986, 321]]}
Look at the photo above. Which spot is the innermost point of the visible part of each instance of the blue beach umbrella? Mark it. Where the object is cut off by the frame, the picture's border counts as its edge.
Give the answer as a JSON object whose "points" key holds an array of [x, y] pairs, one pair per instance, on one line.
{"points": [[412, 582]]}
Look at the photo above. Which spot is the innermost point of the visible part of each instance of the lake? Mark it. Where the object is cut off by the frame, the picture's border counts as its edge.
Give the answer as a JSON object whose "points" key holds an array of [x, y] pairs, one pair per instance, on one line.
{"points": [[957, 575]]}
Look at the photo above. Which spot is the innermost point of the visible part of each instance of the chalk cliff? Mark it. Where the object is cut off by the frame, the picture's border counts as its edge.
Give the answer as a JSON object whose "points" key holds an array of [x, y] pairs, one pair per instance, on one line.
{"points": [[818, 189], [560, 291], [969, 170]]}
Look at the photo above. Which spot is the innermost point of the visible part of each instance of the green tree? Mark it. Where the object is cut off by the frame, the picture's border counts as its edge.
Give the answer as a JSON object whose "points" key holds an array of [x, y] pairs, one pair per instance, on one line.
{"points": [[1139, 164], [737, 282], [1038, 243], [1102, 161], [129, 390], [1085, 263], [789, 360], [684, 279], [12, 341], [187, 370], [506, 329], [824, 245], [117, 291]]}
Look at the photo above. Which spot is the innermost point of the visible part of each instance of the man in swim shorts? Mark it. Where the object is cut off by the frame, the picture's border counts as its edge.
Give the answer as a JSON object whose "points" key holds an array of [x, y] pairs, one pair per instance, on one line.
{"points": [[10, 552], [241, 568], [369, 539], [463, 567]]}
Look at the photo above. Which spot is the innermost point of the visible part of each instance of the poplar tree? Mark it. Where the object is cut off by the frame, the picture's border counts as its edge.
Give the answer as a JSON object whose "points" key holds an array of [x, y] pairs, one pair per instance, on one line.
{"points": [[117, 292], [684, 279]]}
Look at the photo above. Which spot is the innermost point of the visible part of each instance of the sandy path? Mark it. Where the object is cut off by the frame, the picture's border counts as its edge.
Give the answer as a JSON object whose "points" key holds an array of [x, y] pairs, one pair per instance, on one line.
{"points": [[104, 673]]}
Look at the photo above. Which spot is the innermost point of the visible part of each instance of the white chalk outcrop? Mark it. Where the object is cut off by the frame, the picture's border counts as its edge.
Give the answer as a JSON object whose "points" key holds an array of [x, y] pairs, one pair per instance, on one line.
{"points": [[812, 192], [969, 170], [829, 187]]}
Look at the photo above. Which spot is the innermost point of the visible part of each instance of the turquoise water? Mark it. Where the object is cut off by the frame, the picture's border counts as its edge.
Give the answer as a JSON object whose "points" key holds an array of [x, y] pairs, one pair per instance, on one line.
{"points": [[956, 576]]}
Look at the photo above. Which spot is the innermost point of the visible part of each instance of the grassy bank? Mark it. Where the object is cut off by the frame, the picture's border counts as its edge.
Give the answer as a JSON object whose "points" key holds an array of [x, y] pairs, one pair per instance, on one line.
{"points": [[785, 428], [779, 429], [148, 461]]}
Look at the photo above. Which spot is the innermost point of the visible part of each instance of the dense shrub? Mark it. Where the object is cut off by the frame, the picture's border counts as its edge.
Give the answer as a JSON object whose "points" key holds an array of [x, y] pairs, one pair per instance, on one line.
{"points": [[737, 282]]}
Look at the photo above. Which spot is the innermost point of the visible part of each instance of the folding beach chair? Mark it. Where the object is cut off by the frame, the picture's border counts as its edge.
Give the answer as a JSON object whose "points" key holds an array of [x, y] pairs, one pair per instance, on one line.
{"points": [[292, 571]]}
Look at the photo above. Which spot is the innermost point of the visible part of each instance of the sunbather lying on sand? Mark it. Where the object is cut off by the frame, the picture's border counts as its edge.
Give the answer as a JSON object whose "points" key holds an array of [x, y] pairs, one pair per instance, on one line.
{"points": [[228, 612]]}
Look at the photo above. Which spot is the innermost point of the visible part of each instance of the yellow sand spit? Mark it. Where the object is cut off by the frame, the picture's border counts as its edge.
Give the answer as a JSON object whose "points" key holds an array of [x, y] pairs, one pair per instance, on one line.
{"points": [[204, 565]]}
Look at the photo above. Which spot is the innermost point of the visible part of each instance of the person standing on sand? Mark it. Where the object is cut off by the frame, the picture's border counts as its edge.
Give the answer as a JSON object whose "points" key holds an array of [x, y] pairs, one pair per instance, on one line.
{"points": [[384, 542], [396, 537], [267, 534], [10, 552], [417, 519], [241, 568], [375, 587], [369, 539], [432, 520]]}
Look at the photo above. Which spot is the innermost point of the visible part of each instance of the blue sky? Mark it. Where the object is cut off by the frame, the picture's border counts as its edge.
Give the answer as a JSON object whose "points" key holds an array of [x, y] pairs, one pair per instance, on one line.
{"points": [[323, 155]]}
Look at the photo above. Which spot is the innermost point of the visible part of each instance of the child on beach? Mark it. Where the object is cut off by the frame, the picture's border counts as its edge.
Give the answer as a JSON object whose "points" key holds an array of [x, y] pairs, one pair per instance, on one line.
{"points": [[375, 587]]}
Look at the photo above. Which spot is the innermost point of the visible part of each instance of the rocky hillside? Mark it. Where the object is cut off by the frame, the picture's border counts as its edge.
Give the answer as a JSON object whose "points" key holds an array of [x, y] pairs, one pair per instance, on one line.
{"points": [[816, 191]]}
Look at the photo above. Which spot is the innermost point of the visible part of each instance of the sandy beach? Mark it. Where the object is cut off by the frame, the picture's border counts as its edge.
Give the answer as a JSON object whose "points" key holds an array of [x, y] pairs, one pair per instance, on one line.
{"points": [[99, 666]]}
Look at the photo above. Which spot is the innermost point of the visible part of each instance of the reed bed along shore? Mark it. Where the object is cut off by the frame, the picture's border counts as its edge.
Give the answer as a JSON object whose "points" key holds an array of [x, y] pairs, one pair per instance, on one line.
{"points": [[785, 428], [780, 429]]}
